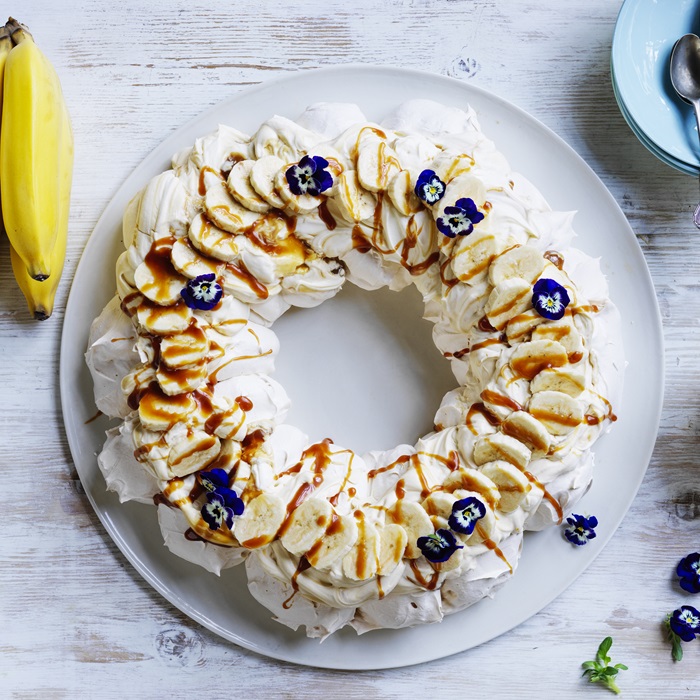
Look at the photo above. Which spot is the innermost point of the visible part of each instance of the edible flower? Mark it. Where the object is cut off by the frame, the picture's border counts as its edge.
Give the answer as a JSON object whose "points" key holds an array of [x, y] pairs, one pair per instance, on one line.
{"points": [[689, 572], [429, 187], [460, 219], [683, 626], [203, 292], [465, 514], [309, 176], [550, 299], [581, 529], [222, 503], [439, 546]]}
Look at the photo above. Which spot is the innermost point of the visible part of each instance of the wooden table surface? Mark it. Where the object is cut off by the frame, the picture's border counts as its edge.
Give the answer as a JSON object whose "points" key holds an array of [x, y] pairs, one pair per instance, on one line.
{"points": [[75, 619]]}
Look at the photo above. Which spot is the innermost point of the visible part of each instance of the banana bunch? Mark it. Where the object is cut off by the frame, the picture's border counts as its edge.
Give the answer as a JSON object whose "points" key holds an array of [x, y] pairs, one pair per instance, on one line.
{"points": [[36, 166]]}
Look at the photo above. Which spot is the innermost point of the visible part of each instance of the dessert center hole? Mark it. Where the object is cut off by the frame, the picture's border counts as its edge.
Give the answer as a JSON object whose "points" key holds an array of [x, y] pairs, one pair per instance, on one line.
{"points": [[362, 369]]}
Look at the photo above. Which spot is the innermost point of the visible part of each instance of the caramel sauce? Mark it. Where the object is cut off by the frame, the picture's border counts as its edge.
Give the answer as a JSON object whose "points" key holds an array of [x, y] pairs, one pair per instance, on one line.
{"points": [[449, 283], [302, 566], [586, 308], [556, 258], [508, 306], [335, 527], [360, 242], [263, 234], [485, 326], [185, 378], [497, 399], [240, 271], [548, 496], [251, 444], [154, 396], [495, 549], [202, 446], [400, 491], [483, 410], [130, 303], [325, 215], [356, 146], [401, 460], [95, 417], [384, 164], [213, 377], [575, 357], [591, 419], [530, 367], [425, 489], [192, 339], [158, 262], [420, 580], [256, 542], [300, 496], [451, 461], [244, 402], [362, 569], [202, 188], [529, 439], [552, 417], [477, 346], [160, 500], [116, 340]]}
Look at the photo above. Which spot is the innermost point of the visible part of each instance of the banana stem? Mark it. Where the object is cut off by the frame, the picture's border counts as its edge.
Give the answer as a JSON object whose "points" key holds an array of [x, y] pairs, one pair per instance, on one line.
{"points": [[18, 32]]}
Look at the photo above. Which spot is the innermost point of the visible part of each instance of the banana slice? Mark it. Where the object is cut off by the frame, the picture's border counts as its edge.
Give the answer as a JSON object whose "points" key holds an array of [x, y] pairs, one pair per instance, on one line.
{"points": [[568, 380], [194, 452], [485, 527], [492, 448], [522, 324], [523, 261], [448, 167], [414, 520], [454, 562], [564, 332], [211, 240], [559, 412], [351, 203], [188, 261], [225, 211], [161, 320], [137, 381], [262, 178], [511, 297], [307, 524], [261, 519], [228, 423], [472, 480], [377, 164], [159, 281], [392, 544], [511, 482], [473, 254], [439, 504], [294, 204], [239, 186], [462, 186], [402, 194], [361, 562], [529, 359], [335, 544], [181, 381], [184, 349], [158, 411], [526, 428]]}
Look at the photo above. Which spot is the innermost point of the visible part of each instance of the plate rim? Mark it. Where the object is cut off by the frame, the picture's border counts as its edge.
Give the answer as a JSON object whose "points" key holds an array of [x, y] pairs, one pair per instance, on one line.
{"points": [[126, 186]]}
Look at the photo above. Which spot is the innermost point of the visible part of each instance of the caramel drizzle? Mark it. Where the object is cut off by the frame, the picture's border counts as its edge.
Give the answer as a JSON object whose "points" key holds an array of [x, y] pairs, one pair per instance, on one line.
{"points": [[202, 188], [488, 542], [420, 580], [548, 496], [481, 409]]}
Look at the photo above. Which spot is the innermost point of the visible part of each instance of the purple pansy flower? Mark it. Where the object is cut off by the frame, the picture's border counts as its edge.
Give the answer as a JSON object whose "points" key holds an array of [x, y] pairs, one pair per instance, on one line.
{"points": [[549, 299], [460, 219], [214, 479], [685, 622], [689, 571], [203, 292], [580, 529], [465, 514], [429, 187], [221, 507], [439, 546], [309, 176]]}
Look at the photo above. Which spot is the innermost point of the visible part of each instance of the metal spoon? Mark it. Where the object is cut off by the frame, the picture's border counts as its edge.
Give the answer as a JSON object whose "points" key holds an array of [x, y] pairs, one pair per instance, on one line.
{"points": [[685, 77]]}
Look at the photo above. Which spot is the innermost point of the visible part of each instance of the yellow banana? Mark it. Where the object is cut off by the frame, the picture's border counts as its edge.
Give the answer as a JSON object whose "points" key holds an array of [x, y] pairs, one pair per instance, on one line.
{"points": [[5, 46], [40, 295], [30, 151]]}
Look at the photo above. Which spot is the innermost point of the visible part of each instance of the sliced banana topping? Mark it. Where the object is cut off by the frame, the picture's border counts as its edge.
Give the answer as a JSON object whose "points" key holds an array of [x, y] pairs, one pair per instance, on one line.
{"points": [[261, 519], [525, 427], [211, 240], [262, 178], [473, 254], [377, 164], [351, 203], [519, 326], [190, 263], [402, 194], [529, 359], [240, 187], [469, 479], [559, 412], [161, 320], [181, 381], [307, 525], [338, 540], [295, 203], [158, 411], [448, 166], [511, 297], [184, 349], [492, 448], [439, 503], [228, 421], [159, 281], [564, 332], [463, 186], [225, 211], [569, 380], [392, 544], [194, 452], [414, 520], [485, 528], [137, 381], [512, 484], [361, 562], [522, 261]]}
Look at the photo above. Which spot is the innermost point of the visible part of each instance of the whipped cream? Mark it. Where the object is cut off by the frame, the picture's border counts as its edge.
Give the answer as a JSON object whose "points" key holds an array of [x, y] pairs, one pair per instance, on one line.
{"points": [[330, 537]]}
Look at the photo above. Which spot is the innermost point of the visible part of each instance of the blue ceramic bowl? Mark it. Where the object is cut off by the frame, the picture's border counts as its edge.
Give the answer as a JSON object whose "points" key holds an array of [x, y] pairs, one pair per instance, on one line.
{"points": [[645, 34]]}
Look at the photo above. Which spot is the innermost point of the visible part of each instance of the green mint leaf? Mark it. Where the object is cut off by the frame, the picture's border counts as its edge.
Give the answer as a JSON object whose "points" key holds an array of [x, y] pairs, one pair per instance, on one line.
{"points": [[589, 665], [604, 647], [622, 667], [599, 671], [610, 671]]}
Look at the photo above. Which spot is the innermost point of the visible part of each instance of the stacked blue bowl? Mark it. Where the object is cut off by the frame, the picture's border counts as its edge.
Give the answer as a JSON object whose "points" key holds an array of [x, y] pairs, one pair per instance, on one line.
{"points": [[645, 34]]}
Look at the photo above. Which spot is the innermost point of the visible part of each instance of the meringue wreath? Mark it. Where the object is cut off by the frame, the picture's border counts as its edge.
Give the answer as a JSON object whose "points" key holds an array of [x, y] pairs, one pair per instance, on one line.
{"points": [[243, 227]]}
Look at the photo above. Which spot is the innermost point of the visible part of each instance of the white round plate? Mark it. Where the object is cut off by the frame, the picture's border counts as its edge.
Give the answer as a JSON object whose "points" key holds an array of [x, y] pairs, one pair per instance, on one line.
{"points": [[548, 564]]}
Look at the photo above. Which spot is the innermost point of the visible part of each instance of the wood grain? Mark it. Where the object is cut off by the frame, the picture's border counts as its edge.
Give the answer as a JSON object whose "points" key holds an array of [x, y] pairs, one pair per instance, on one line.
{"points": [[76, 620]]}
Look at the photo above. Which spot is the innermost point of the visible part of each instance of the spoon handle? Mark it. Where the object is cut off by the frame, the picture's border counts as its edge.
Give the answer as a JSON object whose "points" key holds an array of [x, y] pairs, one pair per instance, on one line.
{"points": [[696, 216], [696, 108]]}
